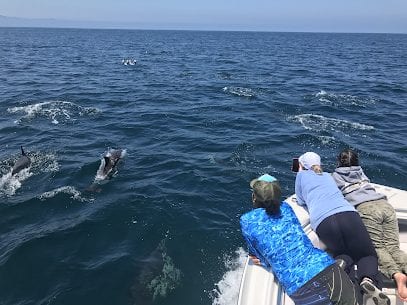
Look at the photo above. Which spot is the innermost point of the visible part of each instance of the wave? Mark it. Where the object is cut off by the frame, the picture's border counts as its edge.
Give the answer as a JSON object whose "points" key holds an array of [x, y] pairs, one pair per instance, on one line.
{"points": [[336, 100], [225, 75], [56, 111], [43, 162], [316, 122], [70, 190], [227, 289], [20, 235], [240, 91], [40, 163], [9, 183], [325, 140]]}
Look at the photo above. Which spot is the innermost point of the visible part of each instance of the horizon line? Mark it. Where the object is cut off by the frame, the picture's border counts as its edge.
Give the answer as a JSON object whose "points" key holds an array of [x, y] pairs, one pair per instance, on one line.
{"points": [[118, 28], [127, 25]]}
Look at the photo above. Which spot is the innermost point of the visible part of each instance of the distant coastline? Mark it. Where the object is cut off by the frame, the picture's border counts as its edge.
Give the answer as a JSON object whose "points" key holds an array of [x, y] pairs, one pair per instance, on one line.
{"points": [[17, 22], [6, 21]]}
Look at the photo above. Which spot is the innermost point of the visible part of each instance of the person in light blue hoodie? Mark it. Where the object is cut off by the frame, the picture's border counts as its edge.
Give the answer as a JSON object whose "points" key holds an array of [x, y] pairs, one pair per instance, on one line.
{"points": [[378, 216], [338, 224], [276, 240]]}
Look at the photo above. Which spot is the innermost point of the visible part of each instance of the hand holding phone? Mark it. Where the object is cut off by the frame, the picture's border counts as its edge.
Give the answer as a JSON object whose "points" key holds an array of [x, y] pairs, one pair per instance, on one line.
{"points": [[295, 167]]}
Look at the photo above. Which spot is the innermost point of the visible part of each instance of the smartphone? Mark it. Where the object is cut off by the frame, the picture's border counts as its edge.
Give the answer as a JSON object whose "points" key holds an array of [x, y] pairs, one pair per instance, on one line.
{"points": [[296, 165]]}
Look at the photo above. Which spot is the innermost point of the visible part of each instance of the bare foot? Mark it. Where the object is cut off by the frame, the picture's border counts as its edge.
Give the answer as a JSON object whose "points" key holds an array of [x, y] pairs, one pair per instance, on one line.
{"points": [[401, 280]]}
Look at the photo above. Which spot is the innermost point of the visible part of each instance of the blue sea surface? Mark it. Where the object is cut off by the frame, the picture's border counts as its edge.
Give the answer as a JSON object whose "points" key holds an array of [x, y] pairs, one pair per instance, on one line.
{"points": [[200, 114]]}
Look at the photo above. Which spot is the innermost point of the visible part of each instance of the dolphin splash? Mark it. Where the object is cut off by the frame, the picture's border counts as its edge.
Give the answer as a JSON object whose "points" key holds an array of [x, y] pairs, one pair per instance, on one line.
{"points": [[11, 181]]}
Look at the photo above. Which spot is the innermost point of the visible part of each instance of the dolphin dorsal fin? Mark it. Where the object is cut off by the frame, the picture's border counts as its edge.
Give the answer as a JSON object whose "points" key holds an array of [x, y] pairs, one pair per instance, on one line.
{"points": [[107, 160], [22, 151]]}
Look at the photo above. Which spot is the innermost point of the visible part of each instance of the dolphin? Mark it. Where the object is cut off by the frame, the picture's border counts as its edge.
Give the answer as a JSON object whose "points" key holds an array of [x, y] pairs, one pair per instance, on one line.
{"points": [[157, 278], [108, 164], [107, 169], [21, 163]]}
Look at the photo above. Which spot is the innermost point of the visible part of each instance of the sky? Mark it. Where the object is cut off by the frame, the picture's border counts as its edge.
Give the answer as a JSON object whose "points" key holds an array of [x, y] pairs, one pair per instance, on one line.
{"points": [[375, 16]]}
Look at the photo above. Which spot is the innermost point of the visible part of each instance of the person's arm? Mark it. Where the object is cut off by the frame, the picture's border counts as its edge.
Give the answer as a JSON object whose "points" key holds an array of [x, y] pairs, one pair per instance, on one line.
{"points": [[298, 190], [255, 256], [364, 177], [251, 249], [349, 187]]}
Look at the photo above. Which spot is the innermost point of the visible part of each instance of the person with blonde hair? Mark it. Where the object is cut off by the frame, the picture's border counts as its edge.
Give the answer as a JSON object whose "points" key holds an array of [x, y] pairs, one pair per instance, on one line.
{"points": [[338, 224], [378, 216], [276, 240]]}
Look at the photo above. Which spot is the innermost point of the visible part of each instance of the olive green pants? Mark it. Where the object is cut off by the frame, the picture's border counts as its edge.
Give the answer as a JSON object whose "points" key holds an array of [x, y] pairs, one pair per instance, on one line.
{"points": [[380, 220]]}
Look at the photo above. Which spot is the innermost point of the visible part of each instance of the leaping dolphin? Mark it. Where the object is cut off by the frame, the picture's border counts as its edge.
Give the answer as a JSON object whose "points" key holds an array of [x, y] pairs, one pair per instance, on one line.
{"points": [[107, 169], [22, 162], [108, 164]]}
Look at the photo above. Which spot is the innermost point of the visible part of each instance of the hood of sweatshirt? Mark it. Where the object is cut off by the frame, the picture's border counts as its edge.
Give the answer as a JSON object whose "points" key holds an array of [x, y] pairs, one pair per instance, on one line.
{"points": [[355, 185], [352, 174]]}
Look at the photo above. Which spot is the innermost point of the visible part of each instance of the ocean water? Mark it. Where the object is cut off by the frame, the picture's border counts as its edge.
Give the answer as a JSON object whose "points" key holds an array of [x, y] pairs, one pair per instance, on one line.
{"points": [[199, 114]]}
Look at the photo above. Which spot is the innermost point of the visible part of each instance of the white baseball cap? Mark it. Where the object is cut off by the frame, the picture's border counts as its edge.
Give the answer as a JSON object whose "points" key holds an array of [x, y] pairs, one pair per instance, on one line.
{"points": [[309, 159]]}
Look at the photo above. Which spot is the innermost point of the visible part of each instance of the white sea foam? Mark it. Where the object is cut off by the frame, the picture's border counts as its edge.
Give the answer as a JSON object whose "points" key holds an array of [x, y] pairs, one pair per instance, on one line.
{"points": [[316, 122], [337, 100], [9, 183], [55, 111], [129, 61], [321, 93], [44, 162], [325, 140], [70, 190], [239, 91], [227, 289], [212, 159]]}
